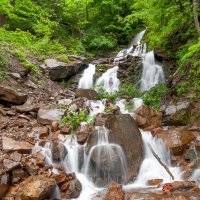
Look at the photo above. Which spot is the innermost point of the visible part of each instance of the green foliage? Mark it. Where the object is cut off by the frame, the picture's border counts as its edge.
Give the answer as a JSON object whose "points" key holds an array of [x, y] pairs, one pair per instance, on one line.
{"points": [[74, 119], [129, 106], [153, 96], [4, 59], [128, 91]]}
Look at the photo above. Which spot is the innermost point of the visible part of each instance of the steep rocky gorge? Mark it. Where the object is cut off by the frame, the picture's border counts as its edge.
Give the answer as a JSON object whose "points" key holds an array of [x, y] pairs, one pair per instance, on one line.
{"points": [[32, 136]]}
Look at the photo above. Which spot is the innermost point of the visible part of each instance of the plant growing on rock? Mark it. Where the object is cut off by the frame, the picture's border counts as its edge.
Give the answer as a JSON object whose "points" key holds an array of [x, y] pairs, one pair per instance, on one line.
{"points": [[74, 119]]}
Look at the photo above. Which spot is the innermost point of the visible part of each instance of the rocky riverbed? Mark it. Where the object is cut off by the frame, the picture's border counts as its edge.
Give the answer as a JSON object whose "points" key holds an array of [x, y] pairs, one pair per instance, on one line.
{"points": [[31, 108]]}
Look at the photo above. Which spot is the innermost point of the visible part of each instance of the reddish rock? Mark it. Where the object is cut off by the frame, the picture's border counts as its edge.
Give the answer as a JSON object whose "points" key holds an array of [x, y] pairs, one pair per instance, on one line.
{"points": [[60, 178], [44, 132], [54, 126], [82, 136], [197, 146], [114, 192], [154, 182], [176, 139], [10, 145], [64, 187], [18, 174], [12, 96], [66, 129], [147, 117]]}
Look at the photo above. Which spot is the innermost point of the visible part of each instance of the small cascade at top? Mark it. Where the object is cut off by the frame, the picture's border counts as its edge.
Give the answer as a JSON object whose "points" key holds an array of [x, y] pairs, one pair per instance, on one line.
{"points": [[152, 72], [135, 49], [86, 81]]}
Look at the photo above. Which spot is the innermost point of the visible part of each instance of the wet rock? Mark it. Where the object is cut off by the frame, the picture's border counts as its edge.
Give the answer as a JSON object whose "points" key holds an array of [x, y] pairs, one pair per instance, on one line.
{"points": [[72, 189], [48, 116], [4, 185], [59, 151], [154, 182], [100, 119], [177, 114], [38, 187], [147, 117], [11, 96], [27, 107], [124, 132], [61, 70], [87, 93], [114, 192], [176, 139], [10, 145], [179, 186], [190, 155], [60, 178]]}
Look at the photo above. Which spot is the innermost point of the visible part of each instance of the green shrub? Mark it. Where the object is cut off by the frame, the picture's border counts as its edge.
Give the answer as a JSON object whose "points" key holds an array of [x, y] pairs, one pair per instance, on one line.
{"points": [[153, 96]]}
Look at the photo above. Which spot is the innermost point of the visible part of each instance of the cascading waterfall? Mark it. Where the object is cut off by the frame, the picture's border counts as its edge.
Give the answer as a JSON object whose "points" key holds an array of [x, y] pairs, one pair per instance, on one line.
{"points": [[105, 161], [152, 73], [110, 161], [86, 81]]}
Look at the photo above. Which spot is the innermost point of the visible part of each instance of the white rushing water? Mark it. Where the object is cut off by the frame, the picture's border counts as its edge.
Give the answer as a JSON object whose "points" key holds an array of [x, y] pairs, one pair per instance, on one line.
{"points": [[152, 73], [86, 81], [109, 81]]}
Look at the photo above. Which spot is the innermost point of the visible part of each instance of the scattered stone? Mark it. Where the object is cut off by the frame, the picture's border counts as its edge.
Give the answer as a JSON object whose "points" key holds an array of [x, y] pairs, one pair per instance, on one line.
{"points": [[46, 117], [11, 96], [114, 192], [27, 107], [44, 132], [15, 75], [10, 145], [147, 117], [38, 187], [73, 190], [60, 178], [65, 102], [54, 126], [10, 164], [18, 174], [4, 185], [10, 113], [87, 93], [15, 156]]}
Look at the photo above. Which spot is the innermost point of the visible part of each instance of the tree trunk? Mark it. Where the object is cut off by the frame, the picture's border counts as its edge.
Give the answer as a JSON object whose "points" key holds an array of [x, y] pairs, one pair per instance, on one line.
{"points": [[195, 13]]}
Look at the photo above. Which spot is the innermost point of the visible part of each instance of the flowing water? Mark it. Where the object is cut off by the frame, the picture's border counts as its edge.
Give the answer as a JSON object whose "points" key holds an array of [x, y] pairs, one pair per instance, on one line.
{"points": [[110, 161], [86, 81], [152, 73]]}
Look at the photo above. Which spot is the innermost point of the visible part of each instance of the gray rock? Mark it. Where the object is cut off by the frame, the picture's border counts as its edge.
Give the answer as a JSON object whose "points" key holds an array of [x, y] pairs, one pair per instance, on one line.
{"points": [[48, 116], [11, 96], [10, 164], [61, 70]]}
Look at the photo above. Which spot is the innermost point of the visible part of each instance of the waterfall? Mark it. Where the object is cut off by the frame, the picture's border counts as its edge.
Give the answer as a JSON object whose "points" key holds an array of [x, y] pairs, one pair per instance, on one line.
{"points": [[109, 81], [152, 73], [86, 81]]}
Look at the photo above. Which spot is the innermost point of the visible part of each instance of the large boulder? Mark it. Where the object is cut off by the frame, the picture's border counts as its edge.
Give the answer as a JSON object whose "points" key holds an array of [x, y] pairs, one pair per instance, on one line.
{"points": [[47, 116], [10, 145], [87, 93], [10, 95], [177, 113], [62, 70], [148, 118], [124, 132]]}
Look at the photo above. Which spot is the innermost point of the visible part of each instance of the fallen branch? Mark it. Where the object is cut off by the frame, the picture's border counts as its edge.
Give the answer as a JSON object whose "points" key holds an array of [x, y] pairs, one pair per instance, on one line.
{"points": [[159, 160]]}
